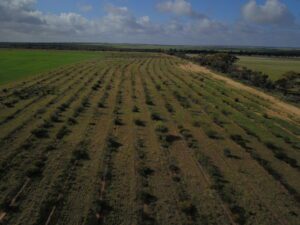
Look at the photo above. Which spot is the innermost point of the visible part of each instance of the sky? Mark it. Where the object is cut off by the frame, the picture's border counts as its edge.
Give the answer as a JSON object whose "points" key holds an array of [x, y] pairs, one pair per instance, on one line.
{"points": [[273, 23]]}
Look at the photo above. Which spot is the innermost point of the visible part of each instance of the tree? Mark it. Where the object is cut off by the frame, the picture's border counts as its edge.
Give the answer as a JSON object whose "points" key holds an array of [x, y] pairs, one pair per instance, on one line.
{"points": [[290, 80]]}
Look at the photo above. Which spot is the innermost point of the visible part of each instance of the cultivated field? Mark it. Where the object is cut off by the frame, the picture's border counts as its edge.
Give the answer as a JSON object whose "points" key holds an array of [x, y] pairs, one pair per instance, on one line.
{"points": [[33, 62], [143, 138], [274, 67]]}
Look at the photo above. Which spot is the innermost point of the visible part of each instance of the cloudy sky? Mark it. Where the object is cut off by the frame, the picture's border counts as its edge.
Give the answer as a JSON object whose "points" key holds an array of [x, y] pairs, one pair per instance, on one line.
{"points": [[194, 22]]}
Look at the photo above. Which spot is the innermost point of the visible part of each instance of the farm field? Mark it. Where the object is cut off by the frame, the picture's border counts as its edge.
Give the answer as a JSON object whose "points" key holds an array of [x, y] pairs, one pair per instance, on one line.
{"points": [[34, 62], [274, 67], [145, 138]]}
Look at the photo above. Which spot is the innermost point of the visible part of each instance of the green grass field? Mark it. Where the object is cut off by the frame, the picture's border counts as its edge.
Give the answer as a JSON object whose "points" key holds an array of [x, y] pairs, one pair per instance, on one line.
{"points": [[274, 67], [20, 64]]}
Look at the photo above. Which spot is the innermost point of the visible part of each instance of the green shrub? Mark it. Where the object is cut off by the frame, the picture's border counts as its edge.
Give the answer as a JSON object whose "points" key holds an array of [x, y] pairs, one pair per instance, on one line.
{"points": [[55, 117], [80, 154], [147, 198], [213, 134], [40, 133], [135, 109], [118, 121], [227, 152], [197, 124], [146, 172], [101, 105], [156, 117], [112, 143], [63, 132], [161, 128], [72, 121], [189, 209], [139, 122]]}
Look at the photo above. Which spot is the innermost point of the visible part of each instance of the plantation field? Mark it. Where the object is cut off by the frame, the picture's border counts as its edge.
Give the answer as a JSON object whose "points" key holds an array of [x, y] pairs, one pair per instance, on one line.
{"points": [[274, 67], [144, 138], [20, 64]]}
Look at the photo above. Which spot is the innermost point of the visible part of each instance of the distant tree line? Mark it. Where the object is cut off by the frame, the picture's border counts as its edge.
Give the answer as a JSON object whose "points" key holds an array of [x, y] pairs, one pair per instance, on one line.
{"points": [[75, 47], [177, 50], [288, 85], [240, 51]]}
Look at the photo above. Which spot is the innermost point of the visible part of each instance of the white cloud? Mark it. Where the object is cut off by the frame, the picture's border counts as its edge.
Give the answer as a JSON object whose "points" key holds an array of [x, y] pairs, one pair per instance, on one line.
{"points": [[18, 4], [144, 20], [179, 8], [84, 7], [272, 12], [198, 24]]}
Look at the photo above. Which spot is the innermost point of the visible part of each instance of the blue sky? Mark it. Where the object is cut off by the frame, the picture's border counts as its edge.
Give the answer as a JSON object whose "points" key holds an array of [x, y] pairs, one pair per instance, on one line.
{"points": [[195, 22]]}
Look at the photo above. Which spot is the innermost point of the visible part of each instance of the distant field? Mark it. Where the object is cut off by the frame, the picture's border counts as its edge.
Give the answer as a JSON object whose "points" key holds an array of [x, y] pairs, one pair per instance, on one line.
{"points": [[274, 67], [19, 64]]}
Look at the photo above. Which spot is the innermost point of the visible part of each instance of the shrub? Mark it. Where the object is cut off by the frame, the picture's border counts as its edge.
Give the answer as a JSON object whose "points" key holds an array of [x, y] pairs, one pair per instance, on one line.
{"points": [[102, 207], [186, 134], [175, 169], [149, 101], [146, 172], [96, 87], [63, 132], [139, 122], [40, 133], [227, 152], [158, 87], [156, 117], [213, 134], [170, 108], [135, 109], [146, 219], [36, 168], [33, 171], [197, 124], [9, 104], [63, 107], [85, 102], [112, 143], [140, 143], [240, 141], [218, 122], [118, 121], [47, 124], [240, 213], [51, 147], [162, 128], [147, 198], [80, 154], [225, 112], [72, 121], [193, 144], [189, 209], [101, 105], [279, 154], [167, 140], [78, 111], [55, 117]]}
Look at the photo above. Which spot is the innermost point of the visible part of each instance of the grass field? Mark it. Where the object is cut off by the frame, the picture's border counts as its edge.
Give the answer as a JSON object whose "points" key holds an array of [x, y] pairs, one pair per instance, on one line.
{"points": [[144, 139], [274, 67], [20, 64]]}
